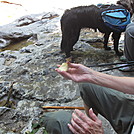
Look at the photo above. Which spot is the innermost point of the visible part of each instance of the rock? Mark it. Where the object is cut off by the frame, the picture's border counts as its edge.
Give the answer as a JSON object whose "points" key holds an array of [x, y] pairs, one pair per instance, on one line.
{"points": [[4, 43], [3, 110]]}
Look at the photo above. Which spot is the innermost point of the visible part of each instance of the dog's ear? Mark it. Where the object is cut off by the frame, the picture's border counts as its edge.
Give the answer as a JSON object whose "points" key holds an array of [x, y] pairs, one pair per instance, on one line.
{"points": [[124, 3], [128, 4], [132, 5]]}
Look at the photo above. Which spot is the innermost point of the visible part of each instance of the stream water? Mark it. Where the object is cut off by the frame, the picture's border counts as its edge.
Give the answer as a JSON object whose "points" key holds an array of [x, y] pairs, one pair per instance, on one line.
{"points": [[17, 46]]}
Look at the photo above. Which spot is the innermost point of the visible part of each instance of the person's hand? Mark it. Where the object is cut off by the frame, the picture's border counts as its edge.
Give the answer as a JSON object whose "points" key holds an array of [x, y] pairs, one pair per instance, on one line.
{"points": [[76, 72], [82, 124]]}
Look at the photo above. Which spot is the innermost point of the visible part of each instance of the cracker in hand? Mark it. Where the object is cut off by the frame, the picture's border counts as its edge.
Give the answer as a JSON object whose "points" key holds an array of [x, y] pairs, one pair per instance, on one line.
{"points": [[63, 67]]}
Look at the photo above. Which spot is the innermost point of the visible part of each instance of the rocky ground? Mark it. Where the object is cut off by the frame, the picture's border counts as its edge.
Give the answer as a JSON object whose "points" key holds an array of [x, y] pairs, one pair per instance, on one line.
{"points": [[29, 54]]}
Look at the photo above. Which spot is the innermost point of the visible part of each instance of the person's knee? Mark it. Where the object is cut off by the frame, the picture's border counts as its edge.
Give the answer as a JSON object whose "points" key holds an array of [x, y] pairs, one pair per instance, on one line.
{"points": [[87, 90], [130, 29], [84, 87]]}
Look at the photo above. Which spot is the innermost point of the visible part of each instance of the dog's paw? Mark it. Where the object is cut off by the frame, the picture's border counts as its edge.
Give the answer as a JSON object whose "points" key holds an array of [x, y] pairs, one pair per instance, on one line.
{"points": [[61, 51], [119, 53], [107, 48]]}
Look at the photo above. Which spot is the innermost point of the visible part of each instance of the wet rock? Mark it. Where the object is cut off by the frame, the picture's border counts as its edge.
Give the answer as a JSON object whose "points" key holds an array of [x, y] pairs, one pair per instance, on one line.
{"points": [[26, 20], [4, 43], [2, 61], [24, 28], [3, 110]]}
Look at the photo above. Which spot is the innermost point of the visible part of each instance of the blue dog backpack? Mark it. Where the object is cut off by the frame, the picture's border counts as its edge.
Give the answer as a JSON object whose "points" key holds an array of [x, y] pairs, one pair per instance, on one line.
{"points": [[116, 19]]}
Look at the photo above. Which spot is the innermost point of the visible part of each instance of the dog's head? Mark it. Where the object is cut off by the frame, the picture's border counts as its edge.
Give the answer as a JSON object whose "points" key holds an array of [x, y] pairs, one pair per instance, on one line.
{"points": [[128, 4]]}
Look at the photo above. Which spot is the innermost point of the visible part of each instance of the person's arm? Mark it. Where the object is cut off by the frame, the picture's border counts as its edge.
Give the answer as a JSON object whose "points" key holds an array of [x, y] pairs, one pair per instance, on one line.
{"points": [[81, 73], [123, 84], [82, 124]]}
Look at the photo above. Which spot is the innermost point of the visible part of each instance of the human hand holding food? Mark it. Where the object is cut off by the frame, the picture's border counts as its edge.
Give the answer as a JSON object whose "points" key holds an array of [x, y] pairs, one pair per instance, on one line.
{"points": [[76, 72]]}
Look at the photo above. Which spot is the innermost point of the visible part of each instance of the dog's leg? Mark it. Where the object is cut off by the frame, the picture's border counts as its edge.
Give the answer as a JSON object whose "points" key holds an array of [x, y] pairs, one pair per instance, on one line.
{"points": [[106, 37], [116, 37], [69, 40], [63, 43], [66, 45]]}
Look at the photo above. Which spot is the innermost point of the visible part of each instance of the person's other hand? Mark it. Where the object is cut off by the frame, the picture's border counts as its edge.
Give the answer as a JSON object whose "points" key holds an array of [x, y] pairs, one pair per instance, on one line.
{"points": [[82, 124], [76, 72]]}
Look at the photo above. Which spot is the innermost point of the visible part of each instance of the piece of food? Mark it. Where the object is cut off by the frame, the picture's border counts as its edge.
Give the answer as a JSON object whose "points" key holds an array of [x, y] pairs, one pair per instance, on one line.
{"points": [[69, 59], [63, 67]]}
